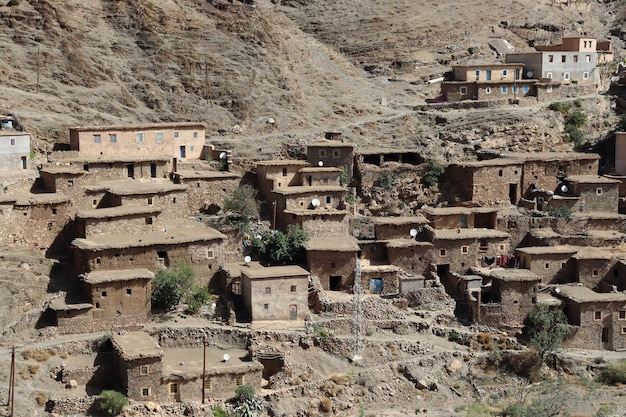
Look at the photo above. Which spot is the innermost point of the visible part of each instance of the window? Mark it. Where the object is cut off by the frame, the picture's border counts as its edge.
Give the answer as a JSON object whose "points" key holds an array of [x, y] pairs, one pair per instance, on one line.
{"points": [[12, 141], [176, 135], [622, 314], [266, 306], [195, 135], [103, 293], [464, 249], [598, 191], [293, 288], [148, 220], [129, 291], [585, 75], [563, 264], [595, 272], [150, 201], [145, 392], [336, 154], [515, 89], [284, 172], [239, 380], [511, 224], [329, 199], [500, 173], [209, 254], [588, 58], [585, 43], [550, 58], [547, 265], [143, 370], [488, 90], [191, 148], [97, 138], [477, 74], [54, 211], [174, 388], [333, 265], [505, 73], [268, 290], [483, 246], [94, 203], [623, 330], [98, 260], [563, 58], [597, 315], [139, 137], [549, 89], [566, 76], [503, 90], [525, 89], [442, 252], [463, 90], [322, 153], [502, 248], [113, 138], [549, 75], [575, 57], [159, 137]]}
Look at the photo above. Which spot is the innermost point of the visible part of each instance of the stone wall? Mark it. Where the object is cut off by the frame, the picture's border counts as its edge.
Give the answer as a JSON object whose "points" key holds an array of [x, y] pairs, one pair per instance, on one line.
{"points": [[135, 224], [415, 259], [325, 225], [135, 377], [120, 298], [591, 272], [204, 192], [544, 173], [586, 331], [325, 264]]}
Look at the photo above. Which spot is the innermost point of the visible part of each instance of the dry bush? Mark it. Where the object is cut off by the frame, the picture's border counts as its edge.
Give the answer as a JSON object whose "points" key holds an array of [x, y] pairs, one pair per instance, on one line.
{"points": [[326, 405], [41, 398], [526, 364], [64, 355], [27, 354], [340, 379], [33, 369], [41, 355], [486, 341]]}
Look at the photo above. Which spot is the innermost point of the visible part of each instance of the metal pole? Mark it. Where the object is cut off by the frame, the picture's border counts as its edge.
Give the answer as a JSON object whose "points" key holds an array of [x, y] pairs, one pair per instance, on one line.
{"points": [[37, 70], [13, 381], [203, 368], [274, 216]]}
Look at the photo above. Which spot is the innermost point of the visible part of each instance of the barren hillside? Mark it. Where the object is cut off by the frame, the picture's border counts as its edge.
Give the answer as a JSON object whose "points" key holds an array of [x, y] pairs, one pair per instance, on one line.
{"points": [[309, 65]]}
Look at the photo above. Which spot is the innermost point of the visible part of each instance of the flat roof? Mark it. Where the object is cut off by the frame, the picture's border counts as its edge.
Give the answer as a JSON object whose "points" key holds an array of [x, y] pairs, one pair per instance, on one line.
{"points": [[176, 232], [579, 294], [280, 162], [30, 199], [514, 275], [543, 232], [233, 269], [458, 234], [599, 215], [138, 187], [599, 253], [320, 211], [206, 174], [140, 126], [405, 243], [320, 169], [59, 304], [299, 189], [489, 162], [119, 211], [136, 345], [400, 221], [181, 363], [480, 63], [333, 244], [276, 272], [547, 250], [97, 277], [106, 159], [442, 211], [330, 144], [63, 169], [591, 179]]}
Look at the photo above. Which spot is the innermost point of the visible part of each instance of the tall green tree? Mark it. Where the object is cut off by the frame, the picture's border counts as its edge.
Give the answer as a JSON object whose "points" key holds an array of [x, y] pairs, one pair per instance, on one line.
{"points": [[546, 328], [169, 286], [242, 203], [278, 248]]}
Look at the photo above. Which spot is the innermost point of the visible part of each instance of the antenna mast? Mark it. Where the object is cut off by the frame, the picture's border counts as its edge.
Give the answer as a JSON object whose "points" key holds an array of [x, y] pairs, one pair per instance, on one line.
{"points": [[357, 325]]}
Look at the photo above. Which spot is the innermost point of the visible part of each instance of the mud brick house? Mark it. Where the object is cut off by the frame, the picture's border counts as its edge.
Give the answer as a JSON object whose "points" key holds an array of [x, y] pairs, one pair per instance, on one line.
{"points": [[333, 261], [229, 278], [487, 81], [380, 278], [176, 140], [412, 256], [313, 177], [587, 193], [492, 182], [199, 246], [598, 238], [278, 174], [598, 267], [597, 320], [506, 300], [14, 150], [121, 219], [550, 263], [574, 60], [139, 362], [620, 154], [461, 217], [331, 153], [207, 190], [276, 292], [386, 228]]}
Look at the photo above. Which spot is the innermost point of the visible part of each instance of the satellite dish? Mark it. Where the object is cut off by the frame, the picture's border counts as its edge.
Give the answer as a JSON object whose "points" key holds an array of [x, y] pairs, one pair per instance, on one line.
{"points": [[564, 188], [226, 357], [413, 232], [529, 74], [320, 163], [222, 155], [247, 259], [315, 202]]}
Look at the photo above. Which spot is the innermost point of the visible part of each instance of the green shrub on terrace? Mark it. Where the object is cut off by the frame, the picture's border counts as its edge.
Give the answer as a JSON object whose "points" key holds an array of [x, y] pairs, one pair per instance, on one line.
{"points": [[559, 212], [615, 373], [111, 402], [386, 180], [431, 177]]}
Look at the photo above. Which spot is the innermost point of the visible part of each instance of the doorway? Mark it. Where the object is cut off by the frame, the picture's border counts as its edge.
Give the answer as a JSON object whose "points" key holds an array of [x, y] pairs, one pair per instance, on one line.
{"points": [[293, 312], [183, 151], [130, 170], [513, 193], [334, 283], [153, 171], [376, 285]]}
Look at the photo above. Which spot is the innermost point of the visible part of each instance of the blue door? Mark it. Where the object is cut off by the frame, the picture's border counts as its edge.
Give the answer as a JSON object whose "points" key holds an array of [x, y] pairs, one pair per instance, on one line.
{"points": [[182, 152], [488, 75], [376, 285], [517, 74]]}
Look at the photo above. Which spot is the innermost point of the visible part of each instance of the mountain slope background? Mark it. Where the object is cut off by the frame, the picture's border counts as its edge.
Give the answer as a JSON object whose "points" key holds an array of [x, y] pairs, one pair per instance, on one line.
{"points": [[309, 65]]}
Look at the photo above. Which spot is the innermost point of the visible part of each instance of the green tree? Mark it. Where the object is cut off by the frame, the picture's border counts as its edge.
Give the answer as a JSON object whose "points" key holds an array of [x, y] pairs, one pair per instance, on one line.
{"points": [[242, 203], [621, 123], [432, 175], [247, 404], [344, 177], [169, 286], [559, 212], [111, 402], [280, 248], [554, 400], [198, 296], [546, 328], [386, 180]]}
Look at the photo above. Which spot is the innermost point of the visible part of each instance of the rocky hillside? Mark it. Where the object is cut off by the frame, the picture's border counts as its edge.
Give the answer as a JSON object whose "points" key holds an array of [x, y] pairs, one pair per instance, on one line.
{"points": [[310, 65]]}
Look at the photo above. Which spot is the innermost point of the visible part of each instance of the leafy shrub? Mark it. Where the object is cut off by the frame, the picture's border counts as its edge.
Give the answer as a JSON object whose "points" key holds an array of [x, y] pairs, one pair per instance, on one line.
{"points": [[320, 331], [431, 177], [246, 402], [559, 212], [621, 123], [615, 373], [169, 286], [345, 176], [574, 134], [13, 3], [197, 298], [111, 402], [242, 202], [280, 248], [575, 118], [555, 106], [219, 412], [578, 103], [546, 328], [386, 180]]}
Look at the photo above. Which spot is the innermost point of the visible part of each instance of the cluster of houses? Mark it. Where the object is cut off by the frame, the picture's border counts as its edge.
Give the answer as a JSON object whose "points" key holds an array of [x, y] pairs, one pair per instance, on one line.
{"points": [[121, 203], [551, 71]]}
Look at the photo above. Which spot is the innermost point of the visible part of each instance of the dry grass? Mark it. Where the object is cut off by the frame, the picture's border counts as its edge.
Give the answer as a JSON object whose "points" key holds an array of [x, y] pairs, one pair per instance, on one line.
{"points": [[41, 398], [340, 379], [40, 355], [326, 404], [33, 369]]}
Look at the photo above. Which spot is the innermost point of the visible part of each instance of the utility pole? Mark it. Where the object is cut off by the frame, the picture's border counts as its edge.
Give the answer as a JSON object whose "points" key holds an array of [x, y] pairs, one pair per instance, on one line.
{"points": [[357, 325], [37, 70], [203, 368], [207, 91], [11, 399]]}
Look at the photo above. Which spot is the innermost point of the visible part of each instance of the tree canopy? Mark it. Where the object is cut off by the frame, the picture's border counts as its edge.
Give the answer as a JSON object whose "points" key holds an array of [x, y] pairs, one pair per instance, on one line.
{"points": [[546, 327], [278, 248], [243, 203]]}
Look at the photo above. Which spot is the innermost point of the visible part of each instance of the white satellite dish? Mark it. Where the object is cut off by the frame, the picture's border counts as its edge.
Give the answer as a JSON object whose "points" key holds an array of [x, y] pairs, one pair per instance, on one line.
{"points": [[223, 155], [226, 357], [529, 74], [320, 163], [564, 188], [413, 232], [247, 259], [315, 202]]}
